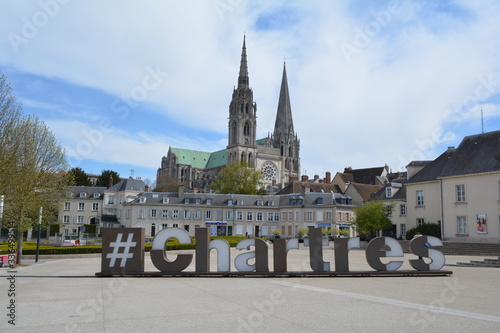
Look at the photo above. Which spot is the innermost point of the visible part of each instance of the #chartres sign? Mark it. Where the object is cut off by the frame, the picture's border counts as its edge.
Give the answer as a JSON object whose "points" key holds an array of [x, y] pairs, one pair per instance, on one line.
{"points": [[123, 254]]}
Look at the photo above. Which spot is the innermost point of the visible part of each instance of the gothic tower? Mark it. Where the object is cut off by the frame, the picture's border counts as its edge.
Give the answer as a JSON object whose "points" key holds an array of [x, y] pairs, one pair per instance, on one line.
{"points": [[242, 118], [284, 136]]}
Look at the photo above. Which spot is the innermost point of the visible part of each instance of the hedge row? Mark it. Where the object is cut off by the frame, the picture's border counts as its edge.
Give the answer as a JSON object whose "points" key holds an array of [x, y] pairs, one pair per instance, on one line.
{"points": [[29, 248]]}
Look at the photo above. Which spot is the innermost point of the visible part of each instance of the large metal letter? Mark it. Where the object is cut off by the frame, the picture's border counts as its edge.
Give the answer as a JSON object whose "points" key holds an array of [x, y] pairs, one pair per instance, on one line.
{"points": [[158, 256], [419, 248], [280, 251], [373, 253], [316, 251]]}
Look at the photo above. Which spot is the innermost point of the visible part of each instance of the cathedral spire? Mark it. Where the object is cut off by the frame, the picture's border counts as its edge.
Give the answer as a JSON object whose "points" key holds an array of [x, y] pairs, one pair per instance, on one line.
{"points": [[284, 122], [243, 76]]}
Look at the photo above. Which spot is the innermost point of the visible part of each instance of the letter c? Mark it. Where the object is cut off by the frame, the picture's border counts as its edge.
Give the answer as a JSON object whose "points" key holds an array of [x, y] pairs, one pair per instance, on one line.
{"points": [[158, 256]]}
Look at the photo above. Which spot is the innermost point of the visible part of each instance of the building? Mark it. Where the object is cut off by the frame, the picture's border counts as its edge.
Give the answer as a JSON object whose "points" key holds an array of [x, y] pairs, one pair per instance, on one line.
{"points": [[82, 206], [238, 215], [277, 155], [460, 190]]}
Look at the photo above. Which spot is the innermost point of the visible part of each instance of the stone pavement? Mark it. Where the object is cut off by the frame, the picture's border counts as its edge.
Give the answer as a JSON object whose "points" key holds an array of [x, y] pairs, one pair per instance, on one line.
{"points": [[63, 295]]}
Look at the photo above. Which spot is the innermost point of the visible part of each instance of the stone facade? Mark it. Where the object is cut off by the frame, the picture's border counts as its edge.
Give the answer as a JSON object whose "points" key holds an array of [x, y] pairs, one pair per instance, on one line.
{"points": [[278, 155]]}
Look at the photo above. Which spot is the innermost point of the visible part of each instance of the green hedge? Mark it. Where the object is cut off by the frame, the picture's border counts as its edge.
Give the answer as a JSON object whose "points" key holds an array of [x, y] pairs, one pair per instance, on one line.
{"points": [[29, 248], [427, 229]]}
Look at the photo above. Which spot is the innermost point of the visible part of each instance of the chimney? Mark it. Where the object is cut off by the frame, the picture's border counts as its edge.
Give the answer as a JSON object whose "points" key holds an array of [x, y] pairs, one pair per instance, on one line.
{"points": [[195, 190], [146, 189], [110, 183], [328, 177], [181, 189], [305, 178], [306, 189]]}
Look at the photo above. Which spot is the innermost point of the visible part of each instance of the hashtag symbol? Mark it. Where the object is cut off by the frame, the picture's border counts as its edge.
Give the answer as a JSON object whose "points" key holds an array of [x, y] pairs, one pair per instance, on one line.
{"points": [[126, 254]]}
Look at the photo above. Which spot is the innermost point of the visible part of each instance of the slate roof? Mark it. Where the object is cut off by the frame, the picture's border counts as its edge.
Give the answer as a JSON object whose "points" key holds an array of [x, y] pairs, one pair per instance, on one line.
{"points": [[298, 187], [476, 154], [89, 190], [365, 176], [128, 184]]}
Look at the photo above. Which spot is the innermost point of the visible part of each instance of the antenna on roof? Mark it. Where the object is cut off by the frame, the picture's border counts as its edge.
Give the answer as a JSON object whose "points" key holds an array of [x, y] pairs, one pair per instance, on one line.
{"points": [[482, 122], [132, 173]]}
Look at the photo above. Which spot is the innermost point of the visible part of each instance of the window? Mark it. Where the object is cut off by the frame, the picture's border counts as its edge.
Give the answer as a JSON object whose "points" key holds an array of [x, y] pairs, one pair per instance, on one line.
{"points": [[460, 190], [309, 216], [260, 202], [187, 214], [152, 213], [402, 210], [249, 216], [175, 214], [229, 215], [111, 200], [81, 206], [175, 225], [127, 213], [319, 201], [142, 199], [97, 195], [276, 216], [80, 219], [420, 221], [270, 216], [208, 214], [388, 192], [461, 225], [164, 213], [141, 213], [297, 216], [197, 214], [208, 202], [95, 206], [165, 200], [388, 209], [347, 216], [83, 195], [239, 216], [420, 198], [66, 218], [229, 202], [403, 229], [328, 216], [290, 216], [340, 216], [260, 216], [218, 215], [67, 205], [283, 216]]}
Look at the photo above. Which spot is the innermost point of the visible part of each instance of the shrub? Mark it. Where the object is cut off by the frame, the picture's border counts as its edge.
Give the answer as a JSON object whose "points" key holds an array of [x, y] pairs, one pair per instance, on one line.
{"points": [[427, 229]]}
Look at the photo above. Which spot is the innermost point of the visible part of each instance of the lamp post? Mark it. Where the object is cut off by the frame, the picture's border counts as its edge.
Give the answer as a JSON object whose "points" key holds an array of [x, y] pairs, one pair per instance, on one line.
{"points": [[39, 234]]}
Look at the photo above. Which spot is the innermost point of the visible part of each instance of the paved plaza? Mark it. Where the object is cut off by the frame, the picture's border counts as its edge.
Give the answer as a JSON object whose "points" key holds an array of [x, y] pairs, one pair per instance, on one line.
{"points": [[63, 295]]}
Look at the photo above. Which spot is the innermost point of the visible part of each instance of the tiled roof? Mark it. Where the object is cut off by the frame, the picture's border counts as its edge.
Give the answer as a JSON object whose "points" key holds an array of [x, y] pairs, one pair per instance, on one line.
{"points": [[298, 186], [365, 190], [128, 184]]}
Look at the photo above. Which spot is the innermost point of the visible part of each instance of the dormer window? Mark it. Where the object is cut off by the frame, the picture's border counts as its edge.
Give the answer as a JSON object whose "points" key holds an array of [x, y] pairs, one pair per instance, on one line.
{"points": [[208, 202], [230, 202], [165, 200], [97, 195], [83, 194], [388, 192], [319, 201], [142, 199], [260, 202]]}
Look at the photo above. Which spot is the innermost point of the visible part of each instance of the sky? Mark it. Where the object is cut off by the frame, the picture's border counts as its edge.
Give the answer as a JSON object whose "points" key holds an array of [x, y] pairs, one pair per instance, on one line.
{"points": [[371, 82]]}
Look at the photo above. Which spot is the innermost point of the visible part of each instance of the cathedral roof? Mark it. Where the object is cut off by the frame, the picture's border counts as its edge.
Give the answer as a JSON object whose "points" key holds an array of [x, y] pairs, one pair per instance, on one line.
{"points": [[200, 159]]}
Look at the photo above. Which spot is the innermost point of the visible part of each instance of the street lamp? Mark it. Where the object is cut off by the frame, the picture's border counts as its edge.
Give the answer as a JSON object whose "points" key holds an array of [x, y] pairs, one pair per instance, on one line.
{"points": [[39, 234]]}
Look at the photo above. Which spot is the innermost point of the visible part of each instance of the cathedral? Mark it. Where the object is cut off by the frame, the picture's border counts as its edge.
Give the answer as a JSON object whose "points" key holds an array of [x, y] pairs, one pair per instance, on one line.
{"points": [[277, 155]]}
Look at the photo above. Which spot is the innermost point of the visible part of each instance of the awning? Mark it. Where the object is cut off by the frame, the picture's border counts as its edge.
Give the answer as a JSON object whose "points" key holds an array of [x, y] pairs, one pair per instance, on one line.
{"points": [[216, 222], [324, 224], [345, 225]]}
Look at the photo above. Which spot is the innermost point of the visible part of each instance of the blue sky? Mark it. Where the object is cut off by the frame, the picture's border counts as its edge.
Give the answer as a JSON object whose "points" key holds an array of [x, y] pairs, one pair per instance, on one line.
{"points": [[371, 82]]}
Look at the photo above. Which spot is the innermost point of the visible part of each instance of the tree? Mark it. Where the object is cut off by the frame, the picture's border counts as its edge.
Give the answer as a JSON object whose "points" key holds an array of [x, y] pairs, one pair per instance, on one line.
{"points": [[103, 179], [165, 183], [238, 178], [372, 216], [32, 165], [79, 177]]}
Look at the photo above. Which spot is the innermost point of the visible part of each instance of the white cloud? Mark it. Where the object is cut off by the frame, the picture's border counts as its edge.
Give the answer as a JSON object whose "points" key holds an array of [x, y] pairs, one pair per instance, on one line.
{"points": [[396, 91]]}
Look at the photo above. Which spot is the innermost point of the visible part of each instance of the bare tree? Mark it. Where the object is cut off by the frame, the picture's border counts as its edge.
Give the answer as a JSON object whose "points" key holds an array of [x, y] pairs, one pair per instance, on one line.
{"points": [[32, 166]]}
